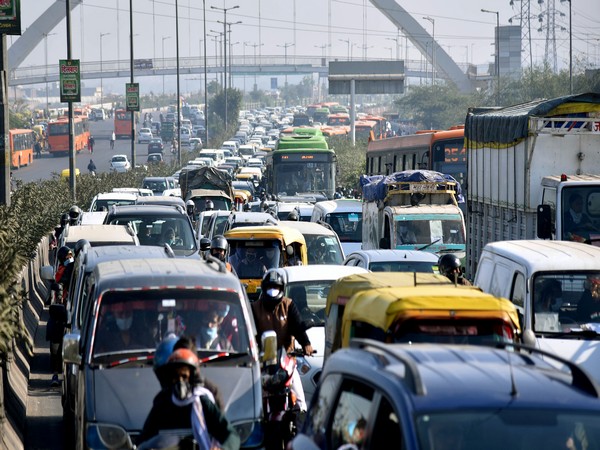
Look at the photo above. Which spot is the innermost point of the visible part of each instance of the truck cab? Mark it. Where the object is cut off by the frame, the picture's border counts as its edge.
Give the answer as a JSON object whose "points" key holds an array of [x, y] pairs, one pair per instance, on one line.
{"points": [[413, 215]]}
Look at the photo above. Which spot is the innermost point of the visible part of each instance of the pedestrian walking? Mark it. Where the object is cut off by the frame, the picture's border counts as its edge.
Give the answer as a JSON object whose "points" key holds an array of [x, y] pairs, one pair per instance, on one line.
{"points": [[112, 140], [91, 144], [38, 149]]}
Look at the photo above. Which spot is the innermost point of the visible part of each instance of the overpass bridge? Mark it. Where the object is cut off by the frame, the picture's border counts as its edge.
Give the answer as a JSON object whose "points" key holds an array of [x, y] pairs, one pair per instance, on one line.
{"points": [[240, 66]]}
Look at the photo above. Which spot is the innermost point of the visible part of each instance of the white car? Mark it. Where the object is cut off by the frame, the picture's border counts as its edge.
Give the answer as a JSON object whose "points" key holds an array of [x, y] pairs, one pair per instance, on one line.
{"points": [[120, 163], [144, 135], [308, 287]]}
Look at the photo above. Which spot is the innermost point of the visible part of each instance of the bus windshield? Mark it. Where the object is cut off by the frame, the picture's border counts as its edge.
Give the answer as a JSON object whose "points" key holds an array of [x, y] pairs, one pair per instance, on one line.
{"points": [[292, 178]]}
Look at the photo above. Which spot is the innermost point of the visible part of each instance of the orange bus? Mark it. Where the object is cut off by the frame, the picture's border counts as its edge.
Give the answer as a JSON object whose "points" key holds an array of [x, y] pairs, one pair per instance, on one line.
{"points": [[380, 129], [21, 143], [58, 135], [443, 151], [122, 124]]}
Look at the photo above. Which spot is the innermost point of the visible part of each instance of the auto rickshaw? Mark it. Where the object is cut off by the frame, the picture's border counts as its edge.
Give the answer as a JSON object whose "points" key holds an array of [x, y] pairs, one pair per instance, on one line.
{"points": [[66, 173], [254, 250], [241, 198], [440, 314], [343, 289]]}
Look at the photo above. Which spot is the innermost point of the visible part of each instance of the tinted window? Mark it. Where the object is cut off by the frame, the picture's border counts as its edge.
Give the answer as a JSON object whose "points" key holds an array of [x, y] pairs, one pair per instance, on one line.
{"points": [[322, 404], [351, 414]]}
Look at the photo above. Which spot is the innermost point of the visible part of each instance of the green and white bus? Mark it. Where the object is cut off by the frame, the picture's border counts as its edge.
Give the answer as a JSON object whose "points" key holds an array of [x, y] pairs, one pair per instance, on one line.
{"points": [[302, 164]]}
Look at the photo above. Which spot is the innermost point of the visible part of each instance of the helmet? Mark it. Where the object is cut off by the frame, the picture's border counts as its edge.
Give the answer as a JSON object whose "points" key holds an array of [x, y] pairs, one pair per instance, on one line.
{"points": [[272, 286], [164, 351], [62, 253], [219, 243], [190, 206], [209, 205], [447, 264], [74, 214], [184, 356], [293, 215], [64, 219]]}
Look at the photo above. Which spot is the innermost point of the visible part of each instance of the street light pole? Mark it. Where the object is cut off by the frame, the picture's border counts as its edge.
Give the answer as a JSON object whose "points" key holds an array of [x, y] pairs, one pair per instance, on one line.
{"points": [[496, 52], [225, 52], [101, 73], [432, 20], [46, 64], [347, 41], [164, 38], [178, 93], [285, 47], [205, 76], [397, 41]]}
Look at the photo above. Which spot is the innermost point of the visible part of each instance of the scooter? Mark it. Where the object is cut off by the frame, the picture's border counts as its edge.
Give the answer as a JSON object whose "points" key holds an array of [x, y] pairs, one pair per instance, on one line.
{"points": [[279, 401]]}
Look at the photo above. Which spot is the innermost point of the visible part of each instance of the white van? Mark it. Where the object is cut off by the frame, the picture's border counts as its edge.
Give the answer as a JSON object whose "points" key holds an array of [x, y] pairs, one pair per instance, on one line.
{"points": [[344, 216], [554, 285], [231, 145], [217, 155]]}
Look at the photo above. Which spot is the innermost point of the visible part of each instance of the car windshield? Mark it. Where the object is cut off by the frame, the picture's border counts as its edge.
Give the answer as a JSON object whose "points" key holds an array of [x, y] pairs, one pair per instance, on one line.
{"points": [[134, 322], [119, 159], [251, 259], [566, 302], [521, 429], [348, 226], [173, 230], [402, 266], [323, 249], [310, 297]]}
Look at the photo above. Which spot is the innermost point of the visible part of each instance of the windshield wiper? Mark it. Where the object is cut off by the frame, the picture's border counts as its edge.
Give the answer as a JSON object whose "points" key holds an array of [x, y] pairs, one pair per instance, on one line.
{"points": [[430, 244]]}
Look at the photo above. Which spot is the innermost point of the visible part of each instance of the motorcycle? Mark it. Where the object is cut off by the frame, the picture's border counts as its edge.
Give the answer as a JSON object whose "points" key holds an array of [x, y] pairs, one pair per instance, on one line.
{"points": [[279, 401]]}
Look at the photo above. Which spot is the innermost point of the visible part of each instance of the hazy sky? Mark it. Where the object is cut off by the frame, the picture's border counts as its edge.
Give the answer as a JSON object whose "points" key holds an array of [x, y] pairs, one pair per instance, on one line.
{"points": [[460, 27]]}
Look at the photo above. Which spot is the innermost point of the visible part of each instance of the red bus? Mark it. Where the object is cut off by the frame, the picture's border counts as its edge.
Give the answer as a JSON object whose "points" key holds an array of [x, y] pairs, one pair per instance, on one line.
{"points": [[21, 142], [122, 124], [58, 135], [442, 151]]}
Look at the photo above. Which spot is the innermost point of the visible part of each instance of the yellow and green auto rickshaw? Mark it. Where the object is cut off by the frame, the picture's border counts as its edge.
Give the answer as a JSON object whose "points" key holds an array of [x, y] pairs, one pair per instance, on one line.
{"points": [[254, 250], [441, 314], [343, 289]]}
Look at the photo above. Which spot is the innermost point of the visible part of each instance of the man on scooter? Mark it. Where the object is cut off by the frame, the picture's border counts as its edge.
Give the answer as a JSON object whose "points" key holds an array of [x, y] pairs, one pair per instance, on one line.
{"points": [[273, 311]]}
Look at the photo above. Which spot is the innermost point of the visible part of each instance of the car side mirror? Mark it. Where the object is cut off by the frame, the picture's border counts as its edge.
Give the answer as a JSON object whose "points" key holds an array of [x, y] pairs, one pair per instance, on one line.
{"points": [[47, 273], [544, 222], [529, 338], [71, 353]]}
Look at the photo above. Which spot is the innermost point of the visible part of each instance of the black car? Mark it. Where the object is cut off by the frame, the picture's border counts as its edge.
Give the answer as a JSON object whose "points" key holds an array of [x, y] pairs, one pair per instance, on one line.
{"points": [[155, 145]]}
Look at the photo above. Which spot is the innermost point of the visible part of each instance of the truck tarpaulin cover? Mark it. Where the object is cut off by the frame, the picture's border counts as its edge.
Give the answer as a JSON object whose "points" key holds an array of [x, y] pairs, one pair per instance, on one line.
{"points": [[375, 187], [205, 178], [510, 124]]}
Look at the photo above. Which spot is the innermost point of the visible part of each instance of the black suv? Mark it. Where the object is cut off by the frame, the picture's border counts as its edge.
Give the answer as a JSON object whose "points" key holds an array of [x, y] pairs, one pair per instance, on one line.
{"points": [[158, 225], [426, 396]]}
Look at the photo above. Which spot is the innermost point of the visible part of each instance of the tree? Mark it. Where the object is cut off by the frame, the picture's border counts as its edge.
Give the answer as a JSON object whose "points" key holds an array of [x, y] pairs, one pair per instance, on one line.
{"points": [[234, 103]]}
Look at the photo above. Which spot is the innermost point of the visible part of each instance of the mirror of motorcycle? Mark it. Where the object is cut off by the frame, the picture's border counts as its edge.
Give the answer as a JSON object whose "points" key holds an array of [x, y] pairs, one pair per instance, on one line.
{"points": [[268, 342]]}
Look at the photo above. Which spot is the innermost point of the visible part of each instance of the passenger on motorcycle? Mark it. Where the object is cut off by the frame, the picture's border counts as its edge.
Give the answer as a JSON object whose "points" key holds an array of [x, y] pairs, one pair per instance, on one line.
{"points": [[181, 406], [273, 311]]}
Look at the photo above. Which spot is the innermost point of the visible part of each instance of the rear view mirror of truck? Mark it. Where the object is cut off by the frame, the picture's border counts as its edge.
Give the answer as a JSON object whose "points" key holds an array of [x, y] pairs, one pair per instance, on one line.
{"points": [[544, 222]]}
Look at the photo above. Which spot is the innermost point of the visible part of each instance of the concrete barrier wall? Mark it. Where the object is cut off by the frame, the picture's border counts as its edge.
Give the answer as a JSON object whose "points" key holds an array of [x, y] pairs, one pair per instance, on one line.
{"points": [[15, 370]]}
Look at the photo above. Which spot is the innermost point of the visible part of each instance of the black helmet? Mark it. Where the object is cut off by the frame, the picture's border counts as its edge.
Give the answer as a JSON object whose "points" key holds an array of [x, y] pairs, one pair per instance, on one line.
{"points": [[219, 243], [447, 264], [272, 287], [190, 206], [209, 205], [293, 215], [62, 253], [64, 219], [74, 214]]}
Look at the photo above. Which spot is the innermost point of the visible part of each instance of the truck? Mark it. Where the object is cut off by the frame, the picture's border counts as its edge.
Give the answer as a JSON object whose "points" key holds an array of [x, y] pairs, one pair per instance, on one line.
{"points": [[413, 210], [167, 131], [207, 183], [526, 165]]}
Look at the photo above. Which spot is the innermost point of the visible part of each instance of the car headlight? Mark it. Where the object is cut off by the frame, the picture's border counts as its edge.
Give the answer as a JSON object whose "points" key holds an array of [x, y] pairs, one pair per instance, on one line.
{"points": [[251, 433], [105, 436]]}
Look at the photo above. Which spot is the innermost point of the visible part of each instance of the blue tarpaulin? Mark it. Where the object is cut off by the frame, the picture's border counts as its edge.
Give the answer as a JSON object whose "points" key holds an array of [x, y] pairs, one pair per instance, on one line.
{"points": [[375, 187]]}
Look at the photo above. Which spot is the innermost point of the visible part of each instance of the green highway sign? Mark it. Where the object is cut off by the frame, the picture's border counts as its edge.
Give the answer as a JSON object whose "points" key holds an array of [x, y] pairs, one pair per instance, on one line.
{"points": [[132, 96], [70, 80]]}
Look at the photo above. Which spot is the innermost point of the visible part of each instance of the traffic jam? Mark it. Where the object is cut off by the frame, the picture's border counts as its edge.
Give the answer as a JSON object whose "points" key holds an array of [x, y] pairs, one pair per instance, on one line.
{"points": [[247, 301]]}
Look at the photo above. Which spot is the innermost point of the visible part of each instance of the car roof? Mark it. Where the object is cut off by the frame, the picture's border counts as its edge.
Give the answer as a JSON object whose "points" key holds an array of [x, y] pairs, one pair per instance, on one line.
{"points": [[548, 255], [308, 227], [99, 234], [115, 196], [144, 210], [161, 272], [332, 272], [161, 200], [95, 255], [447, 377], [342, 205], [395, 255]]}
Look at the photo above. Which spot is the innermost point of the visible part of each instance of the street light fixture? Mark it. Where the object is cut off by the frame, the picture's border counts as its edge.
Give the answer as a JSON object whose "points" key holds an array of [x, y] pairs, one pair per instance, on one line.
{"points": [[47, 113], [348, 42], [225, 51], [101, 73], [164, 38], [497, 53], [397, 41], [430, 19]]}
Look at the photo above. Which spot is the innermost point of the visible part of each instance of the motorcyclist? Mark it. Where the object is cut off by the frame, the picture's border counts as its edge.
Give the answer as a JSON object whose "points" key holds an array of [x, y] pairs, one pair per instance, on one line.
{"points": [[218, 249], [274, 311], [190, 208], [209, 205], [74, 215], [180, 406], [92, 167], [449, 266]]}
